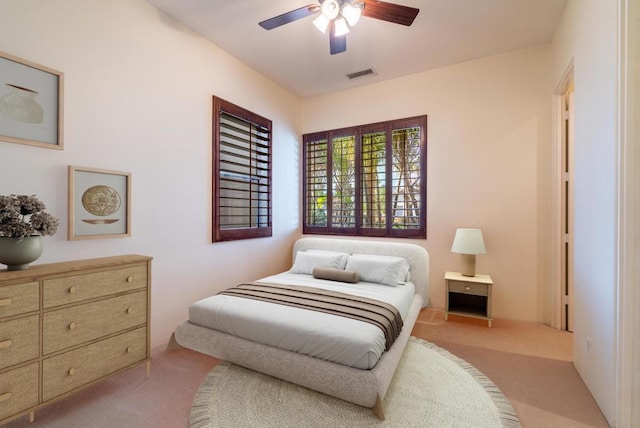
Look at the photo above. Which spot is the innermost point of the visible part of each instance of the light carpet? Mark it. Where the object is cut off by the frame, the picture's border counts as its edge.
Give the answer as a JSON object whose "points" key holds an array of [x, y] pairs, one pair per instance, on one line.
{"points": [[431, 388]]}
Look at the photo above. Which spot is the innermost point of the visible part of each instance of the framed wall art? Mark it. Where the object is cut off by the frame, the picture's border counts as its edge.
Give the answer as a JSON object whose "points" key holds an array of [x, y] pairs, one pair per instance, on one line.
{"points": [[99, 203], [31, 103]]}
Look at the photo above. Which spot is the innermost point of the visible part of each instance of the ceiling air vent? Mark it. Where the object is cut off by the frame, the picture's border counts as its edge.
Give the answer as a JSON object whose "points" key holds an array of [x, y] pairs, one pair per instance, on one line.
{"points": [[362, 73]]}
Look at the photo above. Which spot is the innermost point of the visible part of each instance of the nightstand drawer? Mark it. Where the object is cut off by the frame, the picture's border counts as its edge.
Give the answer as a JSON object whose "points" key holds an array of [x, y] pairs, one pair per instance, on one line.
{"points": [[19, 340], [18, 390], [468, 288], [71, 370], [71, 289], [79, 324], [19, 299]]}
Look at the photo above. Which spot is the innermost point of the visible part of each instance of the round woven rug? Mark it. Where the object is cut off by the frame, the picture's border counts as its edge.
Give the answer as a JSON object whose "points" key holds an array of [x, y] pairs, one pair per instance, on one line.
{"points": [[431, 388]]}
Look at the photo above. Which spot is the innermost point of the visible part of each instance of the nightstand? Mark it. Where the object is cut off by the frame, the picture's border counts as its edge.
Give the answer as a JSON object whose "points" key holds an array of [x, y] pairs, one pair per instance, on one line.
{"points": [[468, 296]]}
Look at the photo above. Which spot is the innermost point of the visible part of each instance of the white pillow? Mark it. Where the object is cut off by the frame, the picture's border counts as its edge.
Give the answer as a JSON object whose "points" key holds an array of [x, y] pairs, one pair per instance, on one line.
{"points": [[343, 262], [387, 270], [306, 261], [383, 258]]}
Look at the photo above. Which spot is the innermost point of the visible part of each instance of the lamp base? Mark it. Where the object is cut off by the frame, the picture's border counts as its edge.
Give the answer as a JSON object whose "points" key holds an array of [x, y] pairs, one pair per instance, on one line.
{"points": [[468, 265]]}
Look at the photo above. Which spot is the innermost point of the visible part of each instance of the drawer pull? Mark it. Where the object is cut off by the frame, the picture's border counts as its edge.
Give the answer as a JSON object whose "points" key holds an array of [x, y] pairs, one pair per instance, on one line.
{"points": [[129, 279], [129, 310], [5, 396], [467, 288], [71, 371], [5, 302], [72, 289], [129, 349], [5, 344], [72, 326]]}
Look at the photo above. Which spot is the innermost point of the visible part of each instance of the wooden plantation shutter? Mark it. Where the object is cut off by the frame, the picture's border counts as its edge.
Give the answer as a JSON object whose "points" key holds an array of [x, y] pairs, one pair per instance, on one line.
{"points": [[368, 180], [373, 182], [343, 182], [315, 183], [242, 173], [408, 177]]}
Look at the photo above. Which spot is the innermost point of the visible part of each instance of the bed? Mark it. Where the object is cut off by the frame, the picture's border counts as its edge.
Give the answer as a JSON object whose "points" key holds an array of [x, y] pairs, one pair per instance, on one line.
{"points": [[363, 378]]}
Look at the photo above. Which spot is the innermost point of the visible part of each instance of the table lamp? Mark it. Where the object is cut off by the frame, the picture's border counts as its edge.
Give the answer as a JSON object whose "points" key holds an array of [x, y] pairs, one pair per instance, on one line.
{"points": [[468, 242]]}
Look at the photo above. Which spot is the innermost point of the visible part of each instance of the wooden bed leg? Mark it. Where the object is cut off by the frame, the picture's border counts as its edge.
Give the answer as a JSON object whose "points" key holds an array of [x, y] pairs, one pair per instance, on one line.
{"points": [[377, 409], [173, 344]]}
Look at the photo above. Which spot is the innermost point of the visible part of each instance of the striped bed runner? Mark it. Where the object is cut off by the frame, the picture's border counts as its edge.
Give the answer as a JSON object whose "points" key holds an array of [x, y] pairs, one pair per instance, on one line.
{"points": [[380, 314]]}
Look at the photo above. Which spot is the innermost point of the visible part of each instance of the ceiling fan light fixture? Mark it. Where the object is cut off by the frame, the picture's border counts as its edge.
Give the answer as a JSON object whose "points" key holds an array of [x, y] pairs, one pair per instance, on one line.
{"points": [[341, 27], [330, 9], [352, 12], [321, 23], [339, 16]]}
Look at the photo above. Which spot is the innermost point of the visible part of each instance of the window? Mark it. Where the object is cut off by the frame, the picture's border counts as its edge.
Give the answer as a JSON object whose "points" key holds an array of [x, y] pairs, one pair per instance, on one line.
{"points": [[368, 180], [241, 173]]}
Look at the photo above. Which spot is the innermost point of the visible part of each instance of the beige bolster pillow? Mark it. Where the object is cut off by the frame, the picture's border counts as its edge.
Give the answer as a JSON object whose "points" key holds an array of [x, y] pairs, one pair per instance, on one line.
{"points": [[335, 274]]}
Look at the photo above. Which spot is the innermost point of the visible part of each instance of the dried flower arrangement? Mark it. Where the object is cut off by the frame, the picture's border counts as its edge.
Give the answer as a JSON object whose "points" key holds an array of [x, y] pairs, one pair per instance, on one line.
{"points": [[22, 216]]}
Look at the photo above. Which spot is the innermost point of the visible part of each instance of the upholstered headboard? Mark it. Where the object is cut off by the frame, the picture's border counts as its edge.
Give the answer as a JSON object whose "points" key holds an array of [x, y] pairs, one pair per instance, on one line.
{"points": [[416, 255]]}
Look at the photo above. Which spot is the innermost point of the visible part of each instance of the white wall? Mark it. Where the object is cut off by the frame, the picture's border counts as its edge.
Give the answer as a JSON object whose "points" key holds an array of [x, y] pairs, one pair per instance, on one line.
{"points": [[138, 99], [587, 34], [488, 137]]}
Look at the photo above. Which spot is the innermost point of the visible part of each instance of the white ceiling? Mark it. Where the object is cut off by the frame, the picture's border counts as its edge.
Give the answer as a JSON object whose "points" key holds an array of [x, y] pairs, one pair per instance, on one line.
{"points": [[296, 55]]}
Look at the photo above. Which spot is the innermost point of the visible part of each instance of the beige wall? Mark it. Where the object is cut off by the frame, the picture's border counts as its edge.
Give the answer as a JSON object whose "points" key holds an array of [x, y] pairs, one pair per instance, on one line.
{"points": [[138, 99], [587, 35], [488, 162]]}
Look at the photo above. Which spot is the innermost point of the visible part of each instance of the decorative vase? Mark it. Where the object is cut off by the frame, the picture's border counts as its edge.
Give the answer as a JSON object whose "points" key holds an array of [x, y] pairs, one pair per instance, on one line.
{"points": [[20, 104], [18, 254]]}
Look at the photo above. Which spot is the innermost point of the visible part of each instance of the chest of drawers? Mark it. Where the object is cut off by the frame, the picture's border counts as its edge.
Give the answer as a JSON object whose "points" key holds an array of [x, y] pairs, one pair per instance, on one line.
{"points": [[64, 326]]}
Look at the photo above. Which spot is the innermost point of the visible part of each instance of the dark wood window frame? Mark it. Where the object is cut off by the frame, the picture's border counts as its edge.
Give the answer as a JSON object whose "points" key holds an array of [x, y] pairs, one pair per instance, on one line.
{"points": [[242, 180], [318, 173]]}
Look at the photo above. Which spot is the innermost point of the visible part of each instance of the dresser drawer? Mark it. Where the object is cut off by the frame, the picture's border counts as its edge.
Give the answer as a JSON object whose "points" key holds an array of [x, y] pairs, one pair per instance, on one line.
{"points": [[78, 324], [71, 289], [19, 299], [468, 288], [19, 340], [18, 390], [71, 370]]}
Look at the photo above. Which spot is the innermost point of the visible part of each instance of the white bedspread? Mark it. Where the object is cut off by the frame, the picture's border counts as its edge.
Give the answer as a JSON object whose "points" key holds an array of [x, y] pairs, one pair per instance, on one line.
{"points": [[342, 340]]}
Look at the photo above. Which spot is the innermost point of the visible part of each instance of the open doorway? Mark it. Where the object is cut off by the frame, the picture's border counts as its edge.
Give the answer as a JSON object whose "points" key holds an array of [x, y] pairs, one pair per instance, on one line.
{"points": [[564, 172]]}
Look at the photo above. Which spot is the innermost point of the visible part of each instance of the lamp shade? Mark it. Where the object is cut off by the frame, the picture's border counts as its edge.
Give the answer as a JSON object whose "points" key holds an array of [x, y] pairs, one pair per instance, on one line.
{"points": [[341, 27], [321, 23], [468, 241], [352, 12]]}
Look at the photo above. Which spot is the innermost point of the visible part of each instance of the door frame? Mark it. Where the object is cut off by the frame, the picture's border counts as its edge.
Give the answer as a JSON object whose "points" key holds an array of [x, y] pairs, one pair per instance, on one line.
{"points": [[628, 236]]}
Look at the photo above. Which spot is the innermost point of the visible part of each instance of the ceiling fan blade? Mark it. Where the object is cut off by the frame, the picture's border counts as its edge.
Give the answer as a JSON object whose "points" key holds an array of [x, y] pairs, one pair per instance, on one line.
{"points": [[285, 18], [337, 44], [390, 12]]}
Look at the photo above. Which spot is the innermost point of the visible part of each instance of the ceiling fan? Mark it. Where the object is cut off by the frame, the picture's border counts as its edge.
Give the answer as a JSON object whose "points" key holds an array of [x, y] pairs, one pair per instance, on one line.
{"points": [[338, 16]]}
